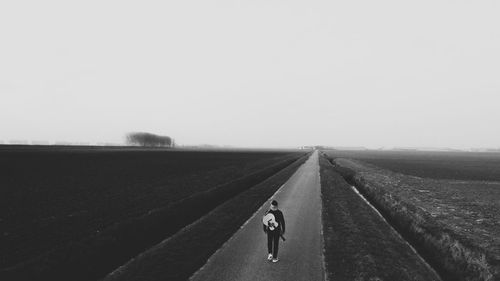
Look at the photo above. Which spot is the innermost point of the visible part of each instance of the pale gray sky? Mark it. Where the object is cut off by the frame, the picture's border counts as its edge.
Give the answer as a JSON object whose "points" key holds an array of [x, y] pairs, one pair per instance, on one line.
{"points": [[253, 73]]}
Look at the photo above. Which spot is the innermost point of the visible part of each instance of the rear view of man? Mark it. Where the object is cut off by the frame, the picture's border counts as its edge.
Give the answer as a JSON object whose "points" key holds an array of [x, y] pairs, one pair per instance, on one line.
{"points": [[274, 229]]}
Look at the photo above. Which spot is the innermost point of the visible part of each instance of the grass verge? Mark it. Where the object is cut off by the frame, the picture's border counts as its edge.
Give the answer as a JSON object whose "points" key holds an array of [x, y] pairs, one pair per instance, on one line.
{"points": [[98, 255], [359, 245], [178, 257]]}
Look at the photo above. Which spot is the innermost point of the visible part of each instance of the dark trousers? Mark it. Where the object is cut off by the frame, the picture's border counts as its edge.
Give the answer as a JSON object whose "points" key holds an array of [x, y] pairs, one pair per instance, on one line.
{"points": [[273, 240]]}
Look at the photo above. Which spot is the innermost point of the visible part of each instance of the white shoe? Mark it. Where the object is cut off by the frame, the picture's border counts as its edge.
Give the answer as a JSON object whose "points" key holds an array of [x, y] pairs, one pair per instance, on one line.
{"points": [[270, 257], [275, 260]]}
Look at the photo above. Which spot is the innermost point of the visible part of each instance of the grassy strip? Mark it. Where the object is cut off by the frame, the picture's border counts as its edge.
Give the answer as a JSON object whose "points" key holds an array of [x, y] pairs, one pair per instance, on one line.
{"points": [[93, 258], [180, 256], [453, 257], [359, 245]]}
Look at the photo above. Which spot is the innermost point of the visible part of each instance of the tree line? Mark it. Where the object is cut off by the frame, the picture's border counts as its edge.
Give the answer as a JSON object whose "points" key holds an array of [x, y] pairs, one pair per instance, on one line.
{"points": [[148, 139]]}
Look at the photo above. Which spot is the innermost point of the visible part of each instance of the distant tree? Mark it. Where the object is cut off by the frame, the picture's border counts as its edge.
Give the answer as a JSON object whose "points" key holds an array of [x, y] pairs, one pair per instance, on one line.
{"points": [[148, 139]]}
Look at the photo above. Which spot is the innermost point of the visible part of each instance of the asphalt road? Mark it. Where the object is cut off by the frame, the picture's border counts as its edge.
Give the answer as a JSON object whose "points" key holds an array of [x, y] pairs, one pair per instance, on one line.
{"points": [[244, 256]]}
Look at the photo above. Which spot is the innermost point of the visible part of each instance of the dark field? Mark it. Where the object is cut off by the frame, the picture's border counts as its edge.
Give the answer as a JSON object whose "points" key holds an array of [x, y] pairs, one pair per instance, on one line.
{"points": [[50, 197], [480, 166]]}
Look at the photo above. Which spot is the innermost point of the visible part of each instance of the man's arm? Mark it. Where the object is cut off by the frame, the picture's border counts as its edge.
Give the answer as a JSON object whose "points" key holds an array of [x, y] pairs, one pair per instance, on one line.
{"points": [[282, 223]]}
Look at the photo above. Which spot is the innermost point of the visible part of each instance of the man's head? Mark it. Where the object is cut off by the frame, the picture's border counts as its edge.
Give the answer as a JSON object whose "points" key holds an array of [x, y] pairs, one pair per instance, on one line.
{"points": [[274, 205]]}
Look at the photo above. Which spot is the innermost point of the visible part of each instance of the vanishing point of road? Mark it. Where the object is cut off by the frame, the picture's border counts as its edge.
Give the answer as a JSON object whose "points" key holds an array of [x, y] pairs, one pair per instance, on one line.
{"points": [[244, 256]]}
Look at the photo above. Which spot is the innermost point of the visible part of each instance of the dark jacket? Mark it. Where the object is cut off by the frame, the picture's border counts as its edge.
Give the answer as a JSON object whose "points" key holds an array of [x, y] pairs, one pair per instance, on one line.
{"points": [[278, 215]]}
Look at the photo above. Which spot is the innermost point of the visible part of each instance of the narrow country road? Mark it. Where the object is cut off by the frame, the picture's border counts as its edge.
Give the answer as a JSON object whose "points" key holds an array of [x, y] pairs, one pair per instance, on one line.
{"points": [[244, 256]]}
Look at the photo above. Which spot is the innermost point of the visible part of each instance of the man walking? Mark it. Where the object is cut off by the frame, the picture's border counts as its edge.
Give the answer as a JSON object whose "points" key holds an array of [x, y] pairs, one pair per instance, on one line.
{"points": [[274, 226]]}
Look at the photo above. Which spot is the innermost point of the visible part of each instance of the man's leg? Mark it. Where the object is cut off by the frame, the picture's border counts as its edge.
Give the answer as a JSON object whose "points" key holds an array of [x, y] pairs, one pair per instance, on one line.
{"points": [[276, 241], [269, 242]]}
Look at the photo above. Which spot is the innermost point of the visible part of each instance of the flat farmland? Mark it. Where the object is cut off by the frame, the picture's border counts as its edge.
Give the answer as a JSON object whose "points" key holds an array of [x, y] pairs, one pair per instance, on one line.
{"points": [[447, 204], [478, 166], [54, 196]]}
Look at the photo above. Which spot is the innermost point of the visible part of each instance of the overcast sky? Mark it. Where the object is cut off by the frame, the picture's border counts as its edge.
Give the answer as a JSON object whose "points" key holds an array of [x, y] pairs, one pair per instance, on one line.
{"points": [[253, 73]]}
